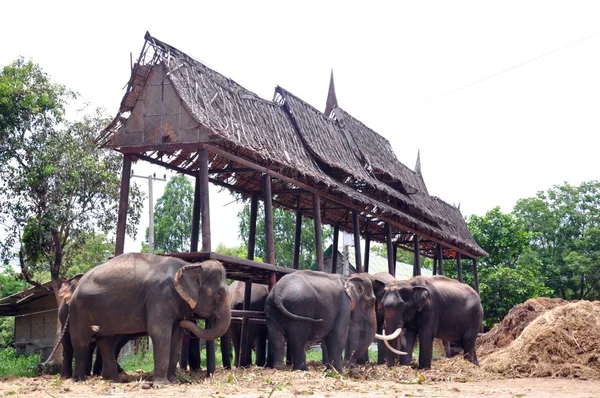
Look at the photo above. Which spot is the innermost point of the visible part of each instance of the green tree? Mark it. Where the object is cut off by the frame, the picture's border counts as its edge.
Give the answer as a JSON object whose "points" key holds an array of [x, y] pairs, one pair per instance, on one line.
{"points": [[173, 217], [96, 249], [510, 274], [56, 187], [284, 226], [565, 222]]}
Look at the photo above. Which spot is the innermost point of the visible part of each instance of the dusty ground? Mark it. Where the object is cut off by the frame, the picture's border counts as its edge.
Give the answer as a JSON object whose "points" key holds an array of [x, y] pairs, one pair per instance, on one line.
{"points": [[448, 378]]}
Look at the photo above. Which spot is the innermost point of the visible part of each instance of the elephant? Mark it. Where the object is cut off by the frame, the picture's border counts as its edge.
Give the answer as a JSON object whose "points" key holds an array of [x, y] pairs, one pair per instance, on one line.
{"points": [[379, 281], [257, 333], [431, 307], [145, 293], [310, 306]]}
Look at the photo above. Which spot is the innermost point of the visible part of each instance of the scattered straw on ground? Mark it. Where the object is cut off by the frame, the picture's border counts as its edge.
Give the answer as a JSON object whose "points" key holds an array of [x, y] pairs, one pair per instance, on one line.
{"points": [[563, 342], [517, 319]]}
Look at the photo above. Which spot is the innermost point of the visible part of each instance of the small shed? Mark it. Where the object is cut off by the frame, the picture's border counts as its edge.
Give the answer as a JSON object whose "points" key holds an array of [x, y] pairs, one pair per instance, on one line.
{"points": [[35, 313]]}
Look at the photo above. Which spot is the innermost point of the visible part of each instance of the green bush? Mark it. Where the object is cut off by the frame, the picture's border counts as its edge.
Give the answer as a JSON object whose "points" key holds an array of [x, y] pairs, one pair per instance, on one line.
{"points": [[13, 364], [7, 328]]}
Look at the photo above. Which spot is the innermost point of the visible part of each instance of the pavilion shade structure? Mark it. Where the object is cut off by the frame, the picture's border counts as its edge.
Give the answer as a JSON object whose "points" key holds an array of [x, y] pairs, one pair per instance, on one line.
{"points": [[175, 105]]}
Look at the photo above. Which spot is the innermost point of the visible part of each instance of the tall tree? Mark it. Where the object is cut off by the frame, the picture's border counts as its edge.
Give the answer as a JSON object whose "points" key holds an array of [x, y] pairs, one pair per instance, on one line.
{"points": [[173, 217], [284, 225], [565, 223], [56, 187]]}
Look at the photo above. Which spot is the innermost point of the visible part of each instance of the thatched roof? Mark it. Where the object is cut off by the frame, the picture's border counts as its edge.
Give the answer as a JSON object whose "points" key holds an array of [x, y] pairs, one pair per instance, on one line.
{"points": [[175, 105]]}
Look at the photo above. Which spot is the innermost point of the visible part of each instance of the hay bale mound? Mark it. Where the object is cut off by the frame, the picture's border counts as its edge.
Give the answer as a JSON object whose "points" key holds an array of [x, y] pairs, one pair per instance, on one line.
{"points": [[517, 319], [563, 342]]}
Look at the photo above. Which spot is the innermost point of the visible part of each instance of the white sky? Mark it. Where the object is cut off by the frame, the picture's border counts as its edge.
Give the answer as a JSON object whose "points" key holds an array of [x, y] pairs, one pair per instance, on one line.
{"points": [[397, 67]]}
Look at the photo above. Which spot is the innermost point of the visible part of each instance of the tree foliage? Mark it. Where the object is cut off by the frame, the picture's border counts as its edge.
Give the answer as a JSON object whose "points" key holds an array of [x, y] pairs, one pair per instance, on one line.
{"points": [[284, 226], [57, 189], [565, 226], [173, 217]]}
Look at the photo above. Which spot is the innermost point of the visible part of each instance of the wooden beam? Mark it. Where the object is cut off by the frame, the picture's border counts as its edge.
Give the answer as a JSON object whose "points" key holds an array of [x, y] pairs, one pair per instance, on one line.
{"points": [[269, 233], [416, 256], [252, 231], [318, 232], [459, 266], [390, 248], [334, 253], [196, 217], [440, 256], [297, 240], [204, 199], [123, 205], [357, 256]]}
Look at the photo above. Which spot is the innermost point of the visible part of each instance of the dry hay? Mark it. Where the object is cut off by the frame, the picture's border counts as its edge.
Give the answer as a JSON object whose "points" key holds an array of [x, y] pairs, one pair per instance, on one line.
{"points": [[517, 319], [563, 342]]}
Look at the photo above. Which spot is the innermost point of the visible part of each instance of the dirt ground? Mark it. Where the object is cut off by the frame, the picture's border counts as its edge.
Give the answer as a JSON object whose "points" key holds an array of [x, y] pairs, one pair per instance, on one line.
{"points": [[448, 378]]}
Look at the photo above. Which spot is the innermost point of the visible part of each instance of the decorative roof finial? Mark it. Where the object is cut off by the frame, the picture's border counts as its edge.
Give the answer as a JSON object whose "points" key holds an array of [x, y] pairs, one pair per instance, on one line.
{"points": [[418, 165], [331, 98]]}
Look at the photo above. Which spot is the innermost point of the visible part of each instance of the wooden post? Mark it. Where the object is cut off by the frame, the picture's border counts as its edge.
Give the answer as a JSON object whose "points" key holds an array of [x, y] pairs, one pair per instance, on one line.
{"points": [[416, 256], [440, 255], [252, 231], [269, 234], [334, 253], [318, 232], [395, 256], [196, 217], [367, 249], [123, 204], [459, 266], [435, 263], [475, 276], [297, 239], [245, 354], [357, 256], [204, 202], [390, 248]]}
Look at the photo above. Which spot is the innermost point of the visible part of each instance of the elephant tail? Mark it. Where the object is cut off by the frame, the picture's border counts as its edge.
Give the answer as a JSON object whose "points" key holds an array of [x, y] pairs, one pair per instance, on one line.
{"points": [[279, 304]]}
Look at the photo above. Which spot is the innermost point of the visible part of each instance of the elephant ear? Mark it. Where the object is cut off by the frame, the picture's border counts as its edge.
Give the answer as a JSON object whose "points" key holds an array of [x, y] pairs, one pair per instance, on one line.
{"points": [[360, 290], [421, 296], [353, 290], [187, 283]]}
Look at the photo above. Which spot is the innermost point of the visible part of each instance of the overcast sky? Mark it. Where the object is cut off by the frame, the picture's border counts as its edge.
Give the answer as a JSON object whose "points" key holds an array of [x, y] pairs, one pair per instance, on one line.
{"points": [[501, 98]]}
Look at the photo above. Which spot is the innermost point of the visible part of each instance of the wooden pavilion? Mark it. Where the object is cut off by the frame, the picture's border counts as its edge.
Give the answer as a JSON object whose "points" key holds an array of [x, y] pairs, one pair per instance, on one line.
{"points": [[182, 115]]}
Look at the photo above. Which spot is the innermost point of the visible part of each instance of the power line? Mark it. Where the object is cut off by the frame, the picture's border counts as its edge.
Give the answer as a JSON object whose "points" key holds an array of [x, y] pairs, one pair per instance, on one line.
{"points": [[508, 69]]}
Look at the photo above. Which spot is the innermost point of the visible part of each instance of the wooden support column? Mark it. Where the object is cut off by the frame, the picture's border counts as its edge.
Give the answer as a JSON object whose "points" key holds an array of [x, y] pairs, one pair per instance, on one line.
{"points": [[196, 217], [440, 256], [269, 234], [252, 231], [357, 256], [367, 249], [395, 256], [297, 239], [245, 354], [334, 253], [459, 266], [318, 232], [435, 264], [390, 248], [416, 256], [204, 200], [123, 204], [475, 276]]}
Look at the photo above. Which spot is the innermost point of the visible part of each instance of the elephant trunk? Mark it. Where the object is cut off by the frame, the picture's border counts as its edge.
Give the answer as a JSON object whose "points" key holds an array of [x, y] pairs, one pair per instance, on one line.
{"points": [[222, 319], [367, 335]]}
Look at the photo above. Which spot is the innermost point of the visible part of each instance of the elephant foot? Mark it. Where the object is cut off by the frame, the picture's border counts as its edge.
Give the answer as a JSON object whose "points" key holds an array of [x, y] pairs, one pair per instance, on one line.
{"points": [[173, 380], [161, 380]]}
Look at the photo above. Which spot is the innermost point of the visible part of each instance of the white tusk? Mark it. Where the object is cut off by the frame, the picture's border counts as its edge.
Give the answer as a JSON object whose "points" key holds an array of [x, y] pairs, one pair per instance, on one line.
{"points": [[390, 337], [392, 349]]}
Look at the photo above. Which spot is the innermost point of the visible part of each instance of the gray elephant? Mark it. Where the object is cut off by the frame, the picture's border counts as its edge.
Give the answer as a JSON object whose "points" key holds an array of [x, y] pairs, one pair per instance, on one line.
{"points": [[431, 307], [311, 306], [257, 333], [145, 293], [379, 281]]}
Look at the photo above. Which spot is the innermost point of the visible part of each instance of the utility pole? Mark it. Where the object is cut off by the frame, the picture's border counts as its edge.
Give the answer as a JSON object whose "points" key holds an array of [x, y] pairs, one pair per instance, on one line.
{"points": [[150, 179]]}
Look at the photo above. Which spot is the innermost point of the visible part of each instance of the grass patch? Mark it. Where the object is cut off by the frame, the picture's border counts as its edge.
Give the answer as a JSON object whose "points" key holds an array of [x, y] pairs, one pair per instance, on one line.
{"points": [[140, 361], [12, 364]]}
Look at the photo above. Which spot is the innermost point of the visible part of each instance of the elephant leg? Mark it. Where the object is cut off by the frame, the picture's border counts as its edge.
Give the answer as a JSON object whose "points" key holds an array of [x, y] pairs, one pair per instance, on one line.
{"points": [[176, 336], [66, 371], [261, 347], [289, 357], [226, 349], [236, 340], [276, 346], [410, 337], [425, 349], [106, 346], [335, 347], [297, 348], [97, 371], [81, 351], [123, 339], [324, 354], [161, 342], [468, 345], [194, 355], [382, 352]]}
